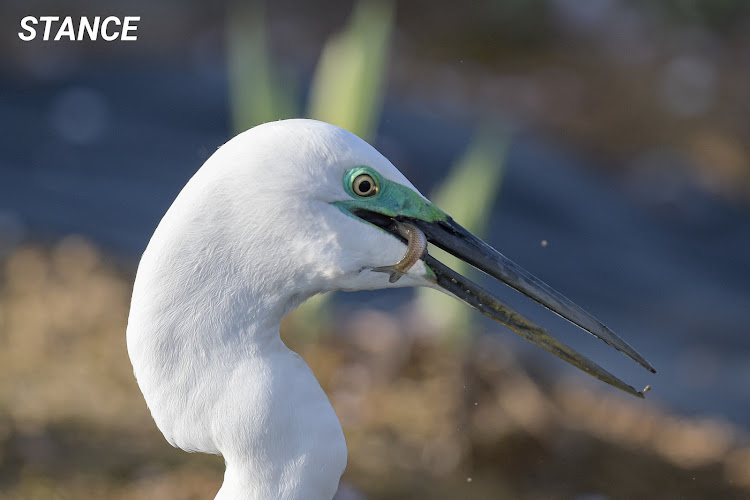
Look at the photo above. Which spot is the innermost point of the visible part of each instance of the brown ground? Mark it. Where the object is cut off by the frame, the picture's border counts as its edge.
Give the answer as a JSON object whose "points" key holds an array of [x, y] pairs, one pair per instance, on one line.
{"points": [[421, 420]]}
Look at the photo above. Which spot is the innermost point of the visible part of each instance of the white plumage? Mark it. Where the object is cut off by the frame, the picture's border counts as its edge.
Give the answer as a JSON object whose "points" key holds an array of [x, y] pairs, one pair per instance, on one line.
{"points": [[278, 214], [249, 238]]}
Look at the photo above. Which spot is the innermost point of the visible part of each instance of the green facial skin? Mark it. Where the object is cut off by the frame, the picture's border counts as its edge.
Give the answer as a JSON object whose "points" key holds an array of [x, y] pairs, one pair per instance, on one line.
{"points": [[391, 199]]}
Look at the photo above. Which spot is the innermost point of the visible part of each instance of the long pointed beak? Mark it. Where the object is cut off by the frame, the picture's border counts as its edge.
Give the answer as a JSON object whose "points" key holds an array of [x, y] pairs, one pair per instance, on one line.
{"points": [[456, 240]]}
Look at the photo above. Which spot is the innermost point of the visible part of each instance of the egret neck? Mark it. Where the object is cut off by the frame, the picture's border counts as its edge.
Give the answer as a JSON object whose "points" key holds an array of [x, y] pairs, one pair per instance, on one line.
{"points": [[203, 336], [242, 394]]}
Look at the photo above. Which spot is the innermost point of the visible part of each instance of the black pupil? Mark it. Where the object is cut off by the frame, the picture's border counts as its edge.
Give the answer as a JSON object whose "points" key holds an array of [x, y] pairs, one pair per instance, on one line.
{"points": [[364, 186]]}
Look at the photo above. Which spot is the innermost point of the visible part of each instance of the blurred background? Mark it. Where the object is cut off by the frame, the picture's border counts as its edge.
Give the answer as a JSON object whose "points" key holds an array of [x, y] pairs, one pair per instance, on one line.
{"points": [[602, 145]]}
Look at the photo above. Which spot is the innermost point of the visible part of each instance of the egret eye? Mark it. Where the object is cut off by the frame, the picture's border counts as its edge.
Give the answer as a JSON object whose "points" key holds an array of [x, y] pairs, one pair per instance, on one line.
{"points": [[364, 185]]}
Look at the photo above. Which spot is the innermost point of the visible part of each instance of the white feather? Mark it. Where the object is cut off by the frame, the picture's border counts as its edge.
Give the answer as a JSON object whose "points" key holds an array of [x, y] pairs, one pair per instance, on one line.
{"points": [[251, 236]]}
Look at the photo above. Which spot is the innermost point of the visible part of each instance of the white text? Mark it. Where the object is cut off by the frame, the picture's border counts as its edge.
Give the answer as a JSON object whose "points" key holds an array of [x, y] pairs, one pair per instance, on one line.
{"points": [[110, 29]]}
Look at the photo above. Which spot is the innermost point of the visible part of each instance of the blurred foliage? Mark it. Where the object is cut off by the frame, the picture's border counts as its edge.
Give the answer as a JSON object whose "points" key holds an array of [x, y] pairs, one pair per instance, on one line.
{"points": [[258, 94], [348, 87], [468, 194], [486, 27], [421, 421], [719, 15]]}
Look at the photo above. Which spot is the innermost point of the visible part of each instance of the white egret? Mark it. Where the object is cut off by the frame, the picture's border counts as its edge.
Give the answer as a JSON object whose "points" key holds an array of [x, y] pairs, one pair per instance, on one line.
{"points": [[280, 213]]}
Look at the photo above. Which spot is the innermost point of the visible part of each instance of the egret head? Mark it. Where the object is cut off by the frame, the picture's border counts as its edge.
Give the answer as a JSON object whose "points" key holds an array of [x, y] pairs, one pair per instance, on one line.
{"points": [[293, 194], [315, 208]]}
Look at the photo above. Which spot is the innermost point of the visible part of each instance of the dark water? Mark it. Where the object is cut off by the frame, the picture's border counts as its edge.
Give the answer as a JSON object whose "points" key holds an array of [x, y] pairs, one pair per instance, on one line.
{"points": [[103, 152]]}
